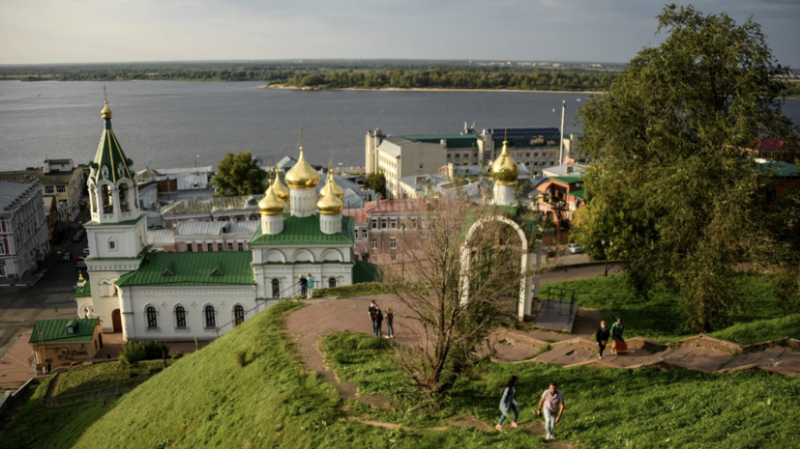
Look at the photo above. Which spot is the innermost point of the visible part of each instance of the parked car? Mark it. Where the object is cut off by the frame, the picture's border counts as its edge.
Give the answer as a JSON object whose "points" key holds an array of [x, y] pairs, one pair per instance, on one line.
{"points": [[85, 252], [574, 249], [66, 257], [79, 263]]}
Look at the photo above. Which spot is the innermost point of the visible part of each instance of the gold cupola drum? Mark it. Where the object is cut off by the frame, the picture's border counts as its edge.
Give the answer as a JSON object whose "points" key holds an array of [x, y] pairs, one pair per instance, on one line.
{"points": [[505, 172], [302, 180], [330, 212], [271, 209]]}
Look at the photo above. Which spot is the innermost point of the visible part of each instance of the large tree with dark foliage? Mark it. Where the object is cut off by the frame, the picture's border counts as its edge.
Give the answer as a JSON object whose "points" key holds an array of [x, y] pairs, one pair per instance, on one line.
{"points": [[239, 175], [669, 185]]}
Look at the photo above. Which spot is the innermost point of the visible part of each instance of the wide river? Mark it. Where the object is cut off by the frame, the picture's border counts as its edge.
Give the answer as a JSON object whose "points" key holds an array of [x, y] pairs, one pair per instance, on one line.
{"points": [[172, 124]]}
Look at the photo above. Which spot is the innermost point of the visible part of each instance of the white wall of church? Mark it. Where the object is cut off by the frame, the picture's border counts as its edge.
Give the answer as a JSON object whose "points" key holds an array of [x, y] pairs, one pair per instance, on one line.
{"points": [[117, 241], [281, 281], [193, 300]]}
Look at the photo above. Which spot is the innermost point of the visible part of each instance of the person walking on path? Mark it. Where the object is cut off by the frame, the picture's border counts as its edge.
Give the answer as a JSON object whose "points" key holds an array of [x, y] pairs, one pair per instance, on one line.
{"points": [[378, 322], [619, 344], [602, 337], [508, 402], [552, 403], [373, 310], [389, 323], [310, 282], [303, 286]]}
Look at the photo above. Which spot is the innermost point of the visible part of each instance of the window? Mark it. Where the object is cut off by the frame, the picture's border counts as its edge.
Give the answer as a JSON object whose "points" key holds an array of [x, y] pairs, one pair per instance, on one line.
{"points": [[152, 317], [61, 189], [535, 154], [527, 154], [2, 271], [199, 247], [211, 247], [374, 244], [230, 246], [2, 249], [108, 205], [211, 319], [331, 282], [219, 246], [458, 155], [394, 243], [241, 246], [374, 223], [394, 223], [180, 318], [49, 190], [112, 245], [188, 247], [123, 197], [394, 257], [413, 223], [93, 199], [383, 223], [363, 233], [276, 288], [448, 156], [238, 315]]}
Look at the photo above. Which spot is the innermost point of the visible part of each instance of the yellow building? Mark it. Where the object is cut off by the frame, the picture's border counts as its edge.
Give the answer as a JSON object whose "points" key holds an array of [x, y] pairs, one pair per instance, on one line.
{"points": [[60, 179]]}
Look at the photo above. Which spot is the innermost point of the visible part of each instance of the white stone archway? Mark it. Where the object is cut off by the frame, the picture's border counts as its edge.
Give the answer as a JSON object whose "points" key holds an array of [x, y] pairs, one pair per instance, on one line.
{"points": [[529, 258]]}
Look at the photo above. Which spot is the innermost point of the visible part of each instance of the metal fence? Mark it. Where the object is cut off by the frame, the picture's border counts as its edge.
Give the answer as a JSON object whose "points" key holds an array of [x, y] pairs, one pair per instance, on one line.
{"points": [[562, 295]]}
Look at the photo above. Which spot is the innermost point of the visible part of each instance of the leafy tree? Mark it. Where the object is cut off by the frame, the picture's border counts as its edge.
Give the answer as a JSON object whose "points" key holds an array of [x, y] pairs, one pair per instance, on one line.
{"points": [[780, 250], [238, 175], [377, 182], [669, 185]]}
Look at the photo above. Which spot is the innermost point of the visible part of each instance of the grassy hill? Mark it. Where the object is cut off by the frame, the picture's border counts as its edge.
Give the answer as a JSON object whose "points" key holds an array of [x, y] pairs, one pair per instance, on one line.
{"points": [[208, 400]]}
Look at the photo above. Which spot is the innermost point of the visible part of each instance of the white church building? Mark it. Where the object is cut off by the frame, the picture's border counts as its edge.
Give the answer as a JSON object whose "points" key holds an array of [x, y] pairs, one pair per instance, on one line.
{"points": [[181, 296]]}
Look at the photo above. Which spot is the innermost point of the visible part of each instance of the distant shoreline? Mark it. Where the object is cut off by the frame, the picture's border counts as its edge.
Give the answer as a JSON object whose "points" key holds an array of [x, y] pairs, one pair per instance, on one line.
{"points": [[422, 89]]}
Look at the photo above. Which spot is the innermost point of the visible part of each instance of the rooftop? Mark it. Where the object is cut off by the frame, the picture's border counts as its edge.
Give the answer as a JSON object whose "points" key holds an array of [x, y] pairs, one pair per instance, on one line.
{"points": [[161, 237], [48, 179], [523, 136], [780, 169], [568, 179], [209, 205], [306, 231], [56, 330], [453, 140], [192, 269], [14, 193], [185, 228]]}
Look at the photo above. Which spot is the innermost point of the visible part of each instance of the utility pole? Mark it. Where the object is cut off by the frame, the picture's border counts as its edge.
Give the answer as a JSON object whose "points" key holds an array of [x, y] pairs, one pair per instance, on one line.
{"points": [[561, 138]]}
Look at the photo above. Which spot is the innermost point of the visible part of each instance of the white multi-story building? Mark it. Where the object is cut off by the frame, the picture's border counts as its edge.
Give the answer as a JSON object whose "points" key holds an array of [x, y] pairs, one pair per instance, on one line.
{"points": [[23, 228]]}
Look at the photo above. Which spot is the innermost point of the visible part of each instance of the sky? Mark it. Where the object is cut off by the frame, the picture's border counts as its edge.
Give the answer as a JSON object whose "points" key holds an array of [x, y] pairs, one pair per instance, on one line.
{"points": [[73, 31]]}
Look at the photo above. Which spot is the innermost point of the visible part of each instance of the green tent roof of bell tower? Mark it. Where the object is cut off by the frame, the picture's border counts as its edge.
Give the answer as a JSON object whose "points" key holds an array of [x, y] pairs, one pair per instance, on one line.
{"points": [[110, 163]]}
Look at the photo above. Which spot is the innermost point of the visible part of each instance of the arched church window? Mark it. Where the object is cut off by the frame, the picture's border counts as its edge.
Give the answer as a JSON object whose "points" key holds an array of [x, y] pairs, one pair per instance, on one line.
{"points": [[93, 198], [332, 282], [108, 204], [123, 197], [152, 317], [180, 317], [211, 319], [276, 288], [238, 314]]}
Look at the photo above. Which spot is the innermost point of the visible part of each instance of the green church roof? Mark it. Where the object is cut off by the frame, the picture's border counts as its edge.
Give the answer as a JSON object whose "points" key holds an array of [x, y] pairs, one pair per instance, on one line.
{"points": [[85, 291], [110, 163], [192, 269], [56, 330], [306, 231]]}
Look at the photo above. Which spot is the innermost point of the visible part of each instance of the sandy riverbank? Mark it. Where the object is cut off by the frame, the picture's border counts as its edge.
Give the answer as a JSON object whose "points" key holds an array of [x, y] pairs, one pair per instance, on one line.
{"points": [[419, 89]]}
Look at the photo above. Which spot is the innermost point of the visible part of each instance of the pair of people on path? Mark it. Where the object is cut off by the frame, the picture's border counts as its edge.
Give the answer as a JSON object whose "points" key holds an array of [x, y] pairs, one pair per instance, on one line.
{"points": [[306, 286], [615, 333], [552, 403], [376, 316]]}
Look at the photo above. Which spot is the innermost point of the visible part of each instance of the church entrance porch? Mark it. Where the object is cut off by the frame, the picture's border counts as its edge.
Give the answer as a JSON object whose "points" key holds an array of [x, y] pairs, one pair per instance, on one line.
{"points": [[116, 320]]}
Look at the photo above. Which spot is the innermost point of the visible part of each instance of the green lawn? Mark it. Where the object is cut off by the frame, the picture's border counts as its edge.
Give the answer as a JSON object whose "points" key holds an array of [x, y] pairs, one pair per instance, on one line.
{"points": [[207, 400], [104, 375], [605, 408], [659, 317]]}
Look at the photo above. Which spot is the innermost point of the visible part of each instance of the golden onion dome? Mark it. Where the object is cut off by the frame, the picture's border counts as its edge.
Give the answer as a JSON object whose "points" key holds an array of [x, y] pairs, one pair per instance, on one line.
{"points": [[106, 112], [302, 175], [338, 191], [270, 204], [330, 204], [504, 170], [281, 191]]}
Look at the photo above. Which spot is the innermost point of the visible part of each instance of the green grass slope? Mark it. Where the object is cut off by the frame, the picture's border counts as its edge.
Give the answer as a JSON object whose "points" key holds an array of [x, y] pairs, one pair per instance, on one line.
{"points": [[658, 317], [207, 400], [606, 408]]}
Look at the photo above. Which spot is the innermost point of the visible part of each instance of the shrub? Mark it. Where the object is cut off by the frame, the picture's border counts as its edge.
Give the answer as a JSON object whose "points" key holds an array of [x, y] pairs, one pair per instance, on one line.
{"points": [[176, 355], [134, 352], [240, 357]]}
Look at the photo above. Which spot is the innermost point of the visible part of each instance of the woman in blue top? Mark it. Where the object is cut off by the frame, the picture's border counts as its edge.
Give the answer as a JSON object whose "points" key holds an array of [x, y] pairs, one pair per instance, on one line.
{"points": [[508, 403]]}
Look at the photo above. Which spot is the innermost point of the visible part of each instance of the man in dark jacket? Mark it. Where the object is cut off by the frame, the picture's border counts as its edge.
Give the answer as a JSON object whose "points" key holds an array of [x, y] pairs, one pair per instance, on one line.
{"points": [[602, 337], [303, 286]]}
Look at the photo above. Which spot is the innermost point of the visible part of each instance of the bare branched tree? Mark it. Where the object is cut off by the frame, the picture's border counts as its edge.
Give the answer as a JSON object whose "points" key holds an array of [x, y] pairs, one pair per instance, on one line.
{"points": [[455, 291]]}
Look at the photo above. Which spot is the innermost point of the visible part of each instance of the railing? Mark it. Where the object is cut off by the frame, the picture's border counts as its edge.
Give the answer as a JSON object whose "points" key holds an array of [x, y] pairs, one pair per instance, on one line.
{"points": [[561, 294], [261, 304]]}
